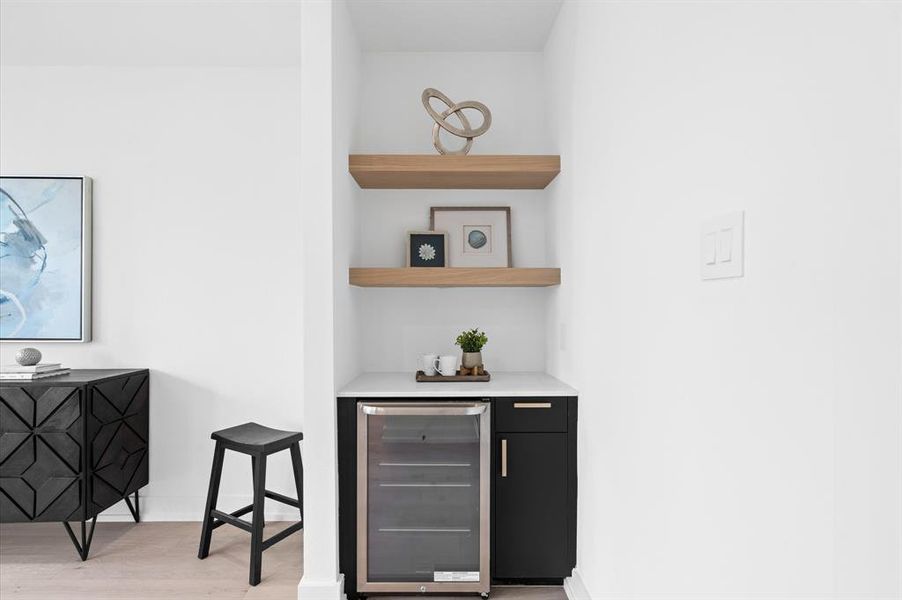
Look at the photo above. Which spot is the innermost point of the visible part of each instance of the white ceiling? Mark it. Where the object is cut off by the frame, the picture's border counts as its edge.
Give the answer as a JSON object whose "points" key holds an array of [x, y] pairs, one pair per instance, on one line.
{"points": [[253, 32], [150, 32], [453, 25]]}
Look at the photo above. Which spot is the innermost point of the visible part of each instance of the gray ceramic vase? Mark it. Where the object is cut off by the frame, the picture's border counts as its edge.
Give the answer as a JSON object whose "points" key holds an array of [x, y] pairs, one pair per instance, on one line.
{"points": [[471, 359], [28, 356]]}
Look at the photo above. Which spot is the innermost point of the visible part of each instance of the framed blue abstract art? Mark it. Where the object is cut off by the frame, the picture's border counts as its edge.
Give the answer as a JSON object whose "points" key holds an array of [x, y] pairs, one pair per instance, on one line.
{"points": [[45, 259]]}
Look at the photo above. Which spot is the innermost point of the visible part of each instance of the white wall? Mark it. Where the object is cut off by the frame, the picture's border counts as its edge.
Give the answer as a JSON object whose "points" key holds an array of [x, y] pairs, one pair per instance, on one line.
{"points": [[346, 67], [329, 60], [399, 325], [738, 438], [197, 258], [150, 33]]}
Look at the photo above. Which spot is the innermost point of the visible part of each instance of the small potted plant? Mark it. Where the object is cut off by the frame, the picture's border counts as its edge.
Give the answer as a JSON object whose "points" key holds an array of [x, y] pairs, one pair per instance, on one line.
{"points": [[471, 342]]}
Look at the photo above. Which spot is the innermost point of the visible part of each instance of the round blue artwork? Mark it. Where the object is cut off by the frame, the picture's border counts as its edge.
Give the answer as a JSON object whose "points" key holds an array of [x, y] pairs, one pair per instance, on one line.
{"points": [[477, 239]]}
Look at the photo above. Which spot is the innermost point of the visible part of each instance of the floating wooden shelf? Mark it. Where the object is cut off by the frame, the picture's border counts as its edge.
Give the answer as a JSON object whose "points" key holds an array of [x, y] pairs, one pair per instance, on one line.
{"points": [[435, 171], [453, 277]]}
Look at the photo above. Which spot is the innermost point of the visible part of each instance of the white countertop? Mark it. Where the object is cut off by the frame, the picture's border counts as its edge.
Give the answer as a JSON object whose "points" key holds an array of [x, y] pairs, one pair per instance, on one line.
{"points": [[404, 385]]}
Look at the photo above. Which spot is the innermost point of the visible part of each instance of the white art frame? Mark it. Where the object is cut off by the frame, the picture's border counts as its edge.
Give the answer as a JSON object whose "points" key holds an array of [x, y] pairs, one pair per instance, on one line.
{"points": [[85, 257], [478, 236]]}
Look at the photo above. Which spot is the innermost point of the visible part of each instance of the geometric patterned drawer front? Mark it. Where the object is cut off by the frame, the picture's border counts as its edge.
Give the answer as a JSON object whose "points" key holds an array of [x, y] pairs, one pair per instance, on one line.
{"points": [[41, 454], [118, 427]]}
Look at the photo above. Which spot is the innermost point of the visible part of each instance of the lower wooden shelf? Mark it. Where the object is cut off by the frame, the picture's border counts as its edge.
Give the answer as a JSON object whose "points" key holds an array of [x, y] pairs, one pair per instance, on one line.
{"points": [[453, 277]]}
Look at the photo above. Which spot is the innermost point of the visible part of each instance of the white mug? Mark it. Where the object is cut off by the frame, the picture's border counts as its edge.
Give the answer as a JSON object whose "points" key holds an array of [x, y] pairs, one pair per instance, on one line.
{"points": [[428, 363], [447, 365]]}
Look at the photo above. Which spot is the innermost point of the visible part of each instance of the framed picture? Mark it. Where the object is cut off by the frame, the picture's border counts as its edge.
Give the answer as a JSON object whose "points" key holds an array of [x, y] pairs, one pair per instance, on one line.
{"points": [[477, 236], [427, 249], [45, 262]]}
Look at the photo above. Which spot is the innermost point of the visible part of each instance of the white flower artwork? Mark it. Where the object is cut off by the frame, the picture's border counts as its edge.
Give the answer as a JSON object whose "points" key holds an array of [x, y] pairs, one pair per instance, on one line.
{"points": [[426, 248], [427, 252]]}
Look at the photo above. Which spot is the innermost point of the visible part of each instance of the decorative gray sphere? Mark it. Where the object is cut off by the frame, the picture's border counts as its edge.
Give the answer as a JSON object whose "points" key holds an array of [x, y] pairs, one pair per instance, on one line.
{"points": [[28, 356], [477, 239]]}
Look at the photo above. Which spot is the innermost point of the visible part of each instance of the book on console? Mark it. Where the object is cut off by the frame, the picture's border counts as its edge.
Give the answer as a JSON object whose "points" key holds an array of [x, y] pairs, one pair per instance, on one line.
{"points": [[32, 376], [38, 368]]}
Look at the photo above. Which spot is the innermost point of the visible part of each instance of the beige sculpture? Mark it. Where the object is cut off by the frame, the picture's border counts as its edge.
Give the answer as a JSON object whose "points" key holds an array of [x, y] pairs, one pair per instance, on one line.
{"points": [[457, 109]]}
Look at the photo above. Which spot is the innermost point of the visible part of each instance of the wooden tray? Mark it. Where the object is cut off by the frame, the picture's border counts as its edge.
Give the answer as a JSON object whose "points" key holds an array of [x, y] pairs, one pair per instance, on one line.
{"points": [[422, 377]]}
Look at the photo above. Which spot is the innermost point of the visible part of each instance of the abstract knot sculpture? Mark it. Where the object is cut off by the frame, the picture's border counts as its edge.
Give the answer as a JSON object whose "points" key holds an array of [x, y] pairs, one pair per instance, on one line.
{"points": [[457, 109]]}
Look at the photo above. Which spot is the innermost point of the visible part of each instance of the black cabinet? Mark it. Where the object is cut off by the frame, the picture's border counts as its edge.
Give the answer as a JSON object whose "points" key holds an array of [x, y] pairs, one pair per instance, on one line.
{"points": [[534, 490], [531, 506], [533, 502], [72, 446]]}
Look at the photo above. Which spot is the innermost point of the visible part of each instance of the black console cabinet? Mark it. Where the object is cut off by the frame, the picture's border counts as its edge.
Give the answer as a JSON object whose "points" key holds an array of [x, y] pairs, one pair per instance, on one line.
{"points": [[533, 500], [72, 446]]}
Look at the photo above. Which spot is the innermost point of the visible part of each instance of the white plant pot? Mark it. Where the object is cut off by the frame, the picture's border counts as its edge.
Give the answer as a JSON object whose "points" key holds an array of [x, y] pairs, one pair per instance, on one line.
{"points": [[471, 359]]}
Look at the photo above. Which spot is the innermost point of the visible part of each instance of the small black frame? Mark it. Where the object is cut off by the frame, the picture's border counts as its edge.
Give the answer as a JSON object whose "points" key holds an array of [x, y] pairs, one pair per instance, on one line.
{"points": [[427, 249]]}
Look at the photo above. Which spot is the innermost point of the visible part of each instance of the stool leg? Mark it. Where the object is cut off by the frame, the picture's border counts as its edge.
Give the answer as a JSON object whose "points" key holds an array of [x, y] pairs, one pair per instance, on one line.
{"points": [[298, 475], [257, 533], [254, 470], [212, 494]]}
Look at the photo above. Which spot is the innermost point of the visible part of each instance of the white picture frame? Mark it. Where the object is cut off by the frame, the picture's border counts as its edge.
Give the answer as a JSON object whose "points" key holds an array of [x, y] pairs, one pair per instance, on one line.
{"points": [[84, 255], [478, 236]]}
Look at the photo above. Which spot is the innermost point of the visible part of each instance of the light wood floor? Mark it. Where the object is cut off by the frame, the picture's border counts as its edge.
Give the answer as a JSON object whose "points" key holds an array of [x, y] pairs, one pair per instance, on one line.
{"points": [[157, 561]]}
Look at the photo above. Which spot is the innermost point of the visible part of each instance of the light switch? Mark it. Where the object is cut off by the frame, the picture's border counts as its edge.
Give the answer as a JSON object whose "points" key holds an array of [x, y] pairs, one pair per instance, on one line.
{"points": [[722, 241], [724, 245], [709, 248]]}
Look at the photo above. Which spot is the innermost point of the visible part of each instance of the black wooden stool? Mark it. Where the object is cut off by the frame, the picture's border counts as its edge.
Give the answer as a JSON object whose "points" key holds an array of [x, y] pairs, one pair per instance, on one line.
{"points": [[259, 442]]}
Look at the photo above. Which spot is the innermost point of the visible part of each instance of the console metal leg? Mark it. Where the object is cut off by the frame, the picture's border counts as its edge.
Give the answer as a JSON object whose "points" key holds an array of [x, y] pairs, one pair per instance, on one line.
{"points": [[135, 508], [85, 546]]}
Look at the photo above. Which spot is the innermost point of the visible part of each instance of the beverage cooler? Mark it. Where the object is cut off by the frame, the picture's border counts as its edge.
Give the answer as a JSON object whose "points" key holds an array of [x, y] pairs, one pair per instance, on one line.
{"points": [[423, 497]]}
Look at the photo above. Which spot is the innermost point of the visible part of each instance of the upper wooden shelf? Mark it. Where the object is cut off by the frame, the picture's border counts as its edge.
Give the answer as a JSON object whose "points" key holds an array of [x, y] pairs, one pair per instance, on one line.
{"points": [[464, 172], [453, 277]]}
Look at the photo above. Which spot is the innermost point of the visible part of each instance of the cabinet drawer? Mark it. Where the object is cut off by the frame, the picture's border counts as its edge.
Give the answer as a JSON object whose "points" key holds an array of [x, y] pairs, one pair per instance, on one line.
{"points": [[531, 414]]}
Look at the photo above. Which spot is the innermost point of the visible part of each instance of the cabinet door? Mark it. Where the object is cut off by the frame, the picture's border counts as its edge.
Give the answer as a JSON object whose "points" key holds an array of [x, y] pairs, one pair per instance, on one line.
{"points": [[41, 453], [530, 506], [118, 422]]}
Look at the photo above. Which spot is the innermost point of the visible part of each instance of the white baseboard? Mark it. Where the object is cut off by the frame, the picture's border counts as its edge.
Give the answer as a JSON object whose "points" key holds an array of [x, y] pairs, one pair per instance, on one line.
{"points": [[575, 587], [191, 508], [321, 590]]}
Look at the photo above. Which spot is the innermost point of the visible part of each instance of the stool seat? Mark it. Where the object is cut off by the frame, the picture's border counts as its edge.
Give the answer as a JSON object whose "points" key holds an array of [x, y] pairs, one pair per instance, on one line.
{"points": [[253, 438]]}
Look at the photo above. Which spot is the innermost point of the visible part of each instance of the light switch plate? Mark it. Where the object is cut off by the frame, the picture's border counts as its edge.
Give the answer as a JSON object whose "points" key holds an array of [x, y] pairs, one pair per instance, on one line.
{"points": [[722, 242]]}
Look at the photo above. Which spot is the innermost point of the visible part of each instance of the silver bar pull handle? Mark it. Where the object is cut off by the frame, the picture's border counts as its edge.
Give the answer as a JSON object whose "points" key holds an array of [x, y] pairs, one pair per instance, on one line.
{"points": [[504, 458], [532, 404], [424, 409]]}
